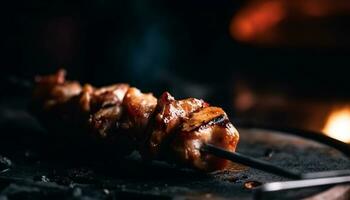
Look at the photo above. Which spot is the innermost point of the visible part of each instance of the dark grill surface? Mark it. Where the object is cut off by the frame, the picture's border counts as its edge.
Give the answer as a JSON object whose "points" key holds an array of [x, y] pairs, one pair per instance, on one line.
{"points": [[35, 167]]}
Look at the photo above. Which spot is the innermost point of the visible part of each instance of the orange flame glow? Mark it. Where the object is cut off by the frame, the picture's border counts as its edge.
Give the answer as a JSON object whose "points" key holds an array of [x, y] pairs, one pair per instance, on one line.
{"points": [[272, 21], [338, 125], [256, 19]]}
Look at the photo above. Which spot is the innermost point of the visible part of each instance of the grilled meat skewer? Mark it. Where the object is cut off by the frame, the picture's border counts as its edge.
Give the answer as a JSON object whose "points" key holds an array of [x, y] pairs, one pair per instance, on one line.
{"points": [[124, 117]]}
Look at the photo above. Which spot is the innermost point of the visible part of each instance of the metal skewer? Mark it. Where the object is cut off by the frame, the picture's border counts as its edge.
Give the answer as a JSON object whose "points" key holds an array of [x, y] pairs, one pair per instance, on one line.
{"points": [[297, 189], [324, 174], [270, 168], [297, 184], [249, 161]]}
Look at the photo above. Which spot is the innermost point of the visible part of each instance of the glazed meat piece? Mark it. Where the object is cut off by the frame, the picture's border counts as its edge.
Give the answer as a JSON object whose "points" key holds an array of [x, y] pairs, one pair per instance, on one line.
{"points": [[54, 89], [81, 103], [209, 125], [108, 103], [51, 102], [86, 107], [109, 96], [104, 121], [169, 114], [90, 99], [138, 108], [50, 97], [58, 78]]}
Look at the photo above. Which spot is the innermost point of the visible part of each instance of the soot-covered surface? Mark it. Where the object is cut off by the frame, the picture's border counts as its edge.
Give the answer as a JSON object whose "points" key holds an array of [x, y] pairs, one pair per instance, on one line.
{"points": [[31, 167]]}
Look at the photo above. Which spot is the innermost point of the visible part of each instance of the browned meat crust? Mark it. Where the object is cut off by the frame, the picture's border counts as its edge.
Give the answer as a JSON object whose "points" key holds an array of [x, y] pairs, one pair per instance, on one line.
{"points": [[209, 125], [169, 115]]}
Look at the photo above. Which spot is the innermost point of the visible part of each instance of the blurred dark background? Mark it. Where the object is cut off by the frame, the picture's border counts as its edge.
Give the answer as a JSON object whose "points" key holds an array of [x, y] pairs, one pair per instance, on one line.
{"points": [[276, 61]]}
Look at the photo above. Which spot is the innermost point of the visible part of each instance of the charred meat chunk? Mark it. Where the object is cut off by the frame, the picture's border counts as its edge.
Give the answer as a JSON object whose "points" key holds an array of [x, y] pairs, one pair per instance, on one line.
{"points": [[138, 109], [169, 115], [207, 126]]}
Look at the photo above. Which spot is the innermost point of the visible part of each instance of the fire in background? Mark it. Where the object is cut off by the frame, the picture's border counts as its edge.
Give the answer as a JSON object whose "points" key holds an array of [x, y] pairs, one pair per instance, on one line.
{"points": [[274, 107], [291, 22], [338, 124]]}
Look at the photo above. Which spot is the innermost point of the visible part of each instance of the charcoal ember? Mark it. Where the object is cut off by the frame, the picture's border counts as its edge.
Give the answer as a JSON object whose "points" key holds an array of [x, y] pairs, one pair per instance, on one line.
{"points": [[5, 163], [251, 184]]}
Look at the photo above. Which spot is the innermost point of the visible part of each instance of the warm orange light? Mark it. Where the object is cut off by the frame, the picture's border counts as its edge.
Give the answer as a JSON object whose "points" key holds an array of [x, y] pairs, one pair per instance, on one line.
{"points": [[256, 19], [338, 125]]}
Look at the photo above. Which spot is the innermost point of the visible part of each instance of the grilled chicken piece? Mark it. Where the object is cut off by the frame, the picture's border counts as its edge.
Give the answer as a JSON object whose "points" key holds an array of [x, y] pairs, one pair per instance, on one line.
{"points": [[210, 125], [54, 89], [90, 100], [170, 113], [51, 94], [105, 120], [85, 107], [109, 96], [108, 103], [138, 108], [58, 78], [82, 102], [51, 102]]}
